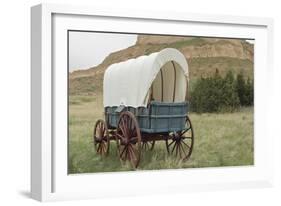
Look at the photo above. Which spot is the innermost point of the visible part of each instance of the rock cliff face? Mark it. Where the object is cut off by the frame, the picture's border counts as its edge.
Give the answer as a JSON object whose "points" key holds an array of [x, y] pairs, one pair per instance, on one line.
{"points": [[193, 47], [204, 56]]}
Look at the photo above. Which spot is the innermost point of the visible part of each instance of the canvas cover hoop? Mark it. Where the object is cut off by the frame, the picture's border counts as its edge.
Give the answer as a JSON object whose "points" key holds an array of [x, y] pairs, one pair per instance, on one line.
{"points": [[161, 76]]}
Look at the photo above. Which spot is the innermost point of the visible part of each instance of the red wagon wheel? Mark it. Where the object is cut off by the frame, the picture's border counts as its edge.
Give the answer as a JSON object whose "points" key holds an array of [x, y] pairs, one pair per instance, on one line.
{"points": [[148, 145], [181, 143], [101, 137], [128, 138]]}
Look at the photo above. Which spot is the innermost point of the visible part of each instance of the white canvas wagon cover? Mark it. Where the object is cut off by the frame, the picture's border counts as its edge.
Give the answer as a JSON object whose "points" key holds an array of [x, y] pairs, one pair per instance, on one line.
{"points": [[162, 76]]}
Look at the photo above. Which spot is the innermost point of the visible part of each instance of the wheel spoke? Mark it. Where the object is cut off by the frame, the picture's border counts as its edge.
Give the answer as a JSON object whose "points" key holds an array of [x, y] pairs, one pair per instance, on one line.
{"points": [[103, 131], [180, 149], [123, 131], [124, 127], [135, 150], [183, 150], [99, 131], [98, 149], [105, 145], [177, 147], [126, 154], [121, 137], [98, 126], [171, 143], [102, 148], [133, 155], [185, 144], [121, 125], [124, 148], [186, 137], [129, 156], [186, 130], [147, 145], [131, 128], [133, 139], [129, 135], [133, 133], [129, 123], [174, 147]]}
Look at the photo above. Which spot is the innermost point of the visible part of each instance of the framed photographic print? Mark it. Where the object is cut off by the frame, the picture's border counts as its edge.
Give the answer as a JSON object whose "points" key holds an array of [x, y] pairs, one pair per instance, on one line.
{"points": [[133, 102]]}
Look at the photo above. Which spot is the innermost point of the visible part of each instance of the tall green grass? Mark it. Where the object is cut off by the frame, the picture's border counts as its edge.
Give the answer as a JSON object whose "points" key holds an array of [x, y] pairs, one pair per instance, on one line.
{"points": [[224, 139]]}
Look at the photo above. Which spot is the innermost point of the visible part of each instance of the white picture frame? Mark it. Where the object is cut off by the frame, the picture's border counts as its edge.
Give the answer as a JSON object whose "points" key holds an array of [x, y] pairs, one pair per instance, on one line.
{"points": [[49, 177]]}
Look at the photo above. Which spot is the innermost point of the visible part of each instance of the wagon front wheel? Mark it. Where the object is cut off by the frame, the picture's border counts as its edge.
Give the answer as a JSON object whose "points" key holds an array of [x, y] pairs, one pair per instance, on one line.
{"points": [[128, 139], [181, 143], [101, 138]]}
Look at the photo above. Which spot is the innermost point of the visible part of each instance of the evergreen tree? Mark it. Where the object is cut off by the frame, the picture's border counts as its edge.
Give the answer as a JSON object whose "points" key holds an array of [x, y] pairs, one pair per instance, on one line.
{"points": [[214, 94], [241, 89], [249, 92], [230, 96]]}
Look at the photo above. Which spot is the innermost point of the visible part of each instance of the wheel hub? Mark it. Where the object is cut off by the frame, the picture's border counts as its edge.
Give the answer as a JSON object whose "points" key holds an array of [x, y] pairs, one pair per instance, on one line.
{"points": [[176, 136]]}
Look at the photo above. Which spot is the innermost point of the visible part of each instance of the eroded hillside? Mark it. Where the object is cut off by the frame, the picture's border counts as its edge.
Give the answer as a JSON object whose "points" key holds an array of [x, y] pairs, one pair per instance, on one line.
{"points": [[204, 56]]}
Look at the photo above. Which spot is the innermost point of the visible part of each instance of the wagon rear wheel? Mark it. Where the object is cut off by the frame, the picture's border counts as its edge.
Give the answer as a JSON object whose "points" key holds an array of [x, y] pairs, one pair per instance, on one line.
{"points": [[181, 143], [101, 137], [128, 138], [147, 145]]}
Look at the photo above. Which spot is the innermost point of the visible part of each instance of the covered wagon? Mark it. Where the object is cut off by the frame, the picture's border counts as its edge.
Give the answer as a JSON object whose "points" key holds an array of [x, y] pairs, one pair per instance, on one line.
{"points": [[145, 100]]}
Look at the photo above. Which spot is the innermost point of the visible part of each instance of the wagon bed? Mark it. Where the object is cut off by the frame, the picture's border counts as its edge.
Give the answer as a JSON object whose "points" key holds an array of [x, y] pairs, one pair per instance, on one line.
{"points": [[158, 117]]}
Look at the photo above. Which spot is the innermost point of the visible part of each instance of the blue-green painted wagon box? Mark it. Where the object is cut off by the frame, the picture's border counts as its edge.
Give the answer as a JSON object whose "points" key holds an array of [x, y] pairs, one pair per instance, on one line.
{"points": [[157, 117]]}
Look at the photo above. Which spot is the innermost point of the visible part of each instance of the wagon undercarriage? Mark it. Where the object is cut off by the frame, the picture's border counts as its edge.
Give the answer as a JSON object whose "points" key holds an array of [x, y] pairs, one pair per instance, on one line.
{"points": [[131, 142]]}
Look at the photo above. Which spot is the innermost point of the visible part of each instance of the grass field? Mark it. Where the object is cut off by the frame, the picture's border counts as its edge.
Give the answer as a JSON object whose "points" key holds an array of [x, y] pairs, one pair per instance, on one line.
{"points": [[220, 140]]}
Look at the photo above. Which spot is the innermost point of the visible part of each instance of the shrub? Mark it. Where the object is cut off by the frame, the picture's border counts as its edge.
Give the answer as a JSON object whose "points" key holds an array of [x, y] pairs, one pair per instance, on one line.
{"points": [[216, 93]]}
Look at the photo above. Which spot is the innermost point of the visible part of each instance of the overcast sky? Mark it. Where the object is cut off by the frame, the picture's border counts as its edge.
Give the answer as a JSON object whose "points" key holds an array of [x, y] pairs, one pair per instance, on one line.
{"points": [[88, 49]]}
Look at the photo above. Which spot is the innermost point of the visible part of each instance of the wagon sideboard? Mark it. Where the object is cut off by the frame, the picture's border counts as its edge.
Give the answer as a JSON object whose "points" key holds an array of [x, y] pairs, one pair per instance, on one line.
{"points": [[158, 117]]}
